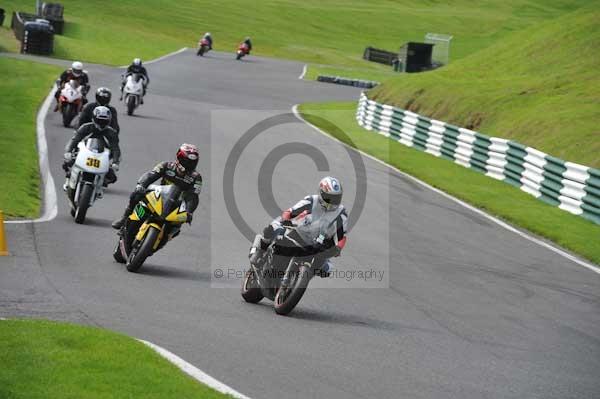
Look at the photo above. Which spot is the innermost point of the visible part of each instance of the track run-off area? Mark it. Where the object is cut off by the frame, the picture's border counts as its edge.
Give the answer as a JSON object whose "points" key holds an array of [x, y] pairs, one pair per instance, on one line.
{"points": [[463, 309]]}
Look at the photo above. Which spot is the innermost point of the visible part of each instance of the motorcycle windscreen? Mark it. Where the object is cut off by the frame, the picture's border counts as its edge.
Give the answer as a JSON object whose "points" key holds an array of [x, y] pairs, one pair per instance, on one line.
{"points": [[170, 198], [96, 145]]}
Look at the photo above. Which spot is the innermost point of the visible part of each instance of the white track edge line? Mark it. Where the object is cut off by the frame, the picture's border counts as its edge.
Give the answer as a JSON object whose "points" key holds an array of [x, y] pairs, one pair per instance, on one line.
{"points": [[304, 69], [499, 222], [181, 50], [49, 204], [194, 372]]}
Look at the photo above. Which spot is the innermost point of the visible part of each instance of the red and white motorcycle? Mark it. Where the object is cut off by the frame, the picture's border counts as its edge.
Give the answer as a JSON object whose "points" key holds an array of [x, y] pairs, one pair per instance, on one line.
{"points": [[203, 47], [242, 51], [71, 101]]}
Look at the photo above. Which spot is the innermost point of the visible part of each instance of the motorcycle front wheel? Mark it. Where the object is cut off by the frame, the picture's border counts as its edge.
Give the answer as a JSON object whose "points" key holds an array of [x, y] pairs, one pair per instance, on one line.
{"points": [[288, 297], [140, 251], [130, 105], [83, 203], [68, 113], [250, 289]]}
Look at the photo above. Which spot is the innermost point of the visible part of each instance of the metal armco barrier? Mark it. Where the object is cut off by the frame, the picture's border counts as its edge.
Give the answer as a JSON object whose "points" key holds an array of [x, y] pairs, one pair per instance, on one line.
{"points": [[380, 56], [367, 84], [569, 186]]}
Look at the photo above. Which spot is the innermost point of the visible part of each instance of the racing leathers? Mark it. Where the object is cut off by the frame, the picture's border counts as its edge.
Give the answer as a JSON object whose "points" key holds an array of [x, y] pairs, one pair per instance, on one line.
{"points": [[68, 75], [317, 231], [209, 39], [248, 43], [110, 137], [189, 183], [88, 111]]}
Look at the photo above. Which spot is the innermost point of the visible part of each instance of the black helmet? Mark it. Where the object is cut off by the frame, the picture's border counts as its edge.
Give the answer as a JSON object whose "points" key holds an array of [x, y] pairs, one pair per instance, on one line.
{"points": [[103, 96], [101, 117]]}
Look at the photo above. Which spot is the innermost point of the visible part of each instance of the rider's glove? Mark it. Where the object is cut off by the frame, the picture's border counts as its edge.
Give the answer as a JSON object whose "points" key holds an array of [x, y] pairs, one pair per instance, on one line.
{"points": [[68, 157], [115, 167], [189, 218], [139, 189]]}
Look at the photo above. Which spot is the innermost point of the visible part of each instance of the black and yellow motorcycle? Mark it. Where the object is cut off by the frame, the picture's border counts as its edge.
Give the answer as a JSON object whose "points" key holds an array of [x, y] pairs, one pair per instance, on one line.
{"points": [[155, 220]]}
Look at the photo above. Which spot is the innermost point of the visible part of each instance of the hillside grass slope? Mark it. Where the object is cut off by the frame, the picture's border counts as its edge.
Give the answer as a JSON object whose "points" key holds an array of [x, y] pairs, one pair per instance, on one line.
{"points": [[539, 86], [330, 32]]}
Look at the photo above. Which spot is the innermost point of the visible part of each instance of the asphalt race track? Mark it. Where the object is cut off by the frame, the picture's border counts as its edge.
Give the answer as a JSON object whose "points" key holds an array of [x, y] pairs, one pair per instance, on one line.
{"points": [[469, 309]]}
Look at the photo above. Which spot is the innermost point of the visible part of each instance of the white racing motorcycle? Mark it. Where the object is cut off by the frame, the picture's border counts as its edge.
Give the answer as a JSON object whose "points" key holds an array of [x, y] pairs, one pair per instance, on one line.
{"points": [[71, 101], [85, 183], [133, 91]]}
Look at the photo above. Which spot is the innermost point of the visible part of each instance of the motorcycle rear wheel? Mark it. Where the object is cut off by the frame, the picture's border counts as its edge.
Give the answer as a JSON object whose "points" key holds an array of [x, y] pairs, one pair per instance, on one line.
{"points": [[286, 299], [83, 203], [250, 289], [138, 255], [117, 255]]}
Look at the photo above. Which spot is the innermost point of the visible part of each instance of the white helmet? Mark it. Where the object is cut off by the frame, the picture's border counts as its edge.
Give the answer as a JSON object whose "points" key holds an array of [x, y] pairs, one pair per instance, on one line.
{"points": [[330, 193], [77, 68], [207, 34], [137, 62]]}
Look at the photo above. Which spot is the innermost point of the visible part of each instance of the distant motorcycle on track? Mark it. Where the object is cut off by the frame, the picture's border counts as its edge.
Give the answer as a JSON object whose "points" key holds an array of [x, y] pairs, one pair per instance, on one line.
{"points": [[203, 47], [133, 91], [70, 101], [243, 50]]}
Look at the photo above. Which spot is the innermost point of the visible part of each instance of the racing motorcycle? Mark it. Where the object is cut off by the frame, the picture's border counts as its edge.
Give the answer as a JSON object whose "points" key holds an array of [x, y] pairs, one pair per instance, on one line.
{"points": [[285, 284], [203, 47], [70, 101], [133, 91], [155, 220], [242, 51], [85, 182]]}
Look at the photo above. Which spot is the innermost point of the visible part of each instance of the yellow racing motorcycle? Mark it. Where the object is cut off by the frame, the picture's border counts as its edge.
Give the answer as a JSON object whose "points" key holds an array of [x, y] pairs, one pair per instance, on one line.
{"points": [[155, 220]]}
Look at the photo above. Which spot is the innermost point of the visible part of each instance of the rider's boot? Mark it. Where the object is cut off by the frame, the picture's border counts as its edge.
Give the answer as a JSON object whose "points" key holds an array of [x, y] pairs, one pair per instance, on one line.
{"points": [[258, 249], [117, 224]]}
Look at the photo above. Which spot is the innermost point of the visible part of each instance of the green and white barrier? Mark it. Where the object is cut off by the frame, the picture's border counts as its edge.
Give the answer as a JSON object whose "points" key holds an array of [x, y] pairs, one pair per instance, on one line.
{"points": [[572, 187]]}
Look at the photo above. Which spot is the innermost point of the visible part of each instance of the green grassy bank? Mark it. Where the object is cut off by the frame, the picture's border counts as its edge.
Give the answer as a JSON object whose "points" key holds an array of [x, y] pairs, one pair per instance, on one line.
{"points": [[47, 360]]}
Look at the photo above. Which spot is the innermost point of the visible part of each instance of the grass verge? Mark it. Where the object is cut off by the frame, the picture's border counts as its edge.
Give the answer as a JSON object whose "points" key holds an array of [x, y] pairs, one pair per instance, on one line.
{"points": [[538, 87], [497, 198], [22, 90], [44, 359]]}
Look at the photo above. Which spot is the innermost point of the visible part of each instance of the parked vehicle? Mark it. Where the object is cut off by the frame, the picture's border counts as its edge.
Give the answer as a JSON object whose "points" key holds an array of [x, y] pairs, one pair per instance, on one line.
{"points": [[85, 184], [154, 221], [133, 91], [70, 101]]}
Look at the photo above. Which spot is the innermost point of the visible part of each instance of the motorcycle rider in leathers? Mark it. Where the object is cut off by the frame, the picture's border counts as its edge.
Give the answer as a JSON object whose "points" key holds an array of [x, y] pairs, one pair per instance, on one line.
{"points": [[136, 67], [98, 128], [103, 96], [182, 173], [321, 223], [76, 73]]}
